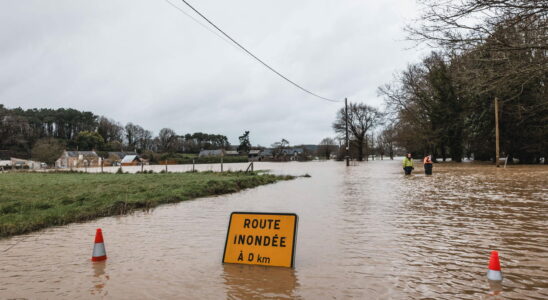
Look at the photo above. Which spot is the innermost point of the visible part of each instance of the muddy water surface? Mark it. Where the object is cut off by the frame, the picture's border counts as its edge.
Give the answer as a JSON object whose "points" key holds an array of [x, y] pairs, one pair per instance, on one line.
{"points": [[365, 232]]}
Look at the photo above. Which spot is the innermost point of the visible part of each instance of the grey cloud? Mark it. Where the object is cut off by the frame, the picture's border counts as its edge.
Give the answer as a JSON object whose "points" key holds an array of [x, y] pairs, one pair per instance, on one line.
{"points": [[145, 62]]}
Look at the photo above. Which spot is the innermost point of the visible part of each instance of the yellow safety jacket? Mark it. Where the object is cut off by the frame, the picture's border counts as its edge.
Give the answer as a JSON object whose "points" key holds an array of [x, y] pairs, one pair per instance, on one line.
{"points": [[407, 162]]}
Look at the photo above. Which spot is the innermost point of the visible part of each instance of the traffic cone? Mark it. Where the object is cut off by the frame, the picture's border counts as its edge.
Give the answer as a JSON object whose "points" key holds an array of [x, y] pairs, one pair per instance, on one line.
{"points": [[99, 253], [494, 273]]}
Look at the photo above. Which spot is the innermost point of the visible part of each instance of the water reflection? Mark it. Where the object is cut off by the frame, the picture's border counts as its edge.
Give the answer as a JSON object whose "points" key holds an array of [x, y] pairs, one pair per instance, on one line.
{"points": [[258, 282], [100, 278], [365, 232]]}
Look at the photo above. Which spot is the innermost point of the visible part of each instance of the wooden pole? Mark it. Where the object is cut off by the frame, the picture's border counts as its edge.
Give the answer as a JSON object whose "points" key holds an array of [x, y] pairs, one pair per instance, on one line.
{"points": [[346, 121], [497, 135], [193, 165], [221, 164], [372, 147]]}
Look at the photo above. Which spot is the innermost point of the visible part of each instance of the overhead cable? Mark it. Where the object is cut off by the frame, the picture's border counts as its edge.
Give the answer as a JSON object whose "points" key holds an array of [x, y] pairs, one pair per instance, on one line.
{"points": [[249, 52]]}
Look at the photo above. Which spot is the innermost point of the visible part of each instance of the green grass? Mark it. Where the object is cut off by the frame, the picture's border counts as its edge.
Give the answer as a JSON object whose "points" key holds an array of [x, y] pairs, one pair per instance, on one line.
{"points": [[31, 201]]}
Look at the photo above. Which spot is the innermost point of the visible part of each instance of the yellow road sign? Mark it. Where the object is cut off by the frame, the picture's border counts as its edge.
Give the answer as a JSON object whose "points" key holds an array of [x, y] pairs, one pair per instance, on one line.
{"points": [[266, 239]]}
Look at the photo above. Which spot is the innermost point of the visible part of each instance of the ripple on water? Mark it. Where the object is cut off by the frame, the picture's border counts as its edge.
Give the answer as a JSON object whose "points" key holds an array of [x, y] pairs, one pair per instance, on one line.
{"points": [[365, 232]]}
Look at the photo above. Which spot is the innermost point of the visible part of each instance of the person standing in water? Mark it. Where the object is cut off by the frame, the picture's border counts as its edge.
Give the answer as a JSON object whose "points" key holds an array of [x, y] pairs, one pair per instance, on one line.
{"points": [[427, 161], [408, 164]]}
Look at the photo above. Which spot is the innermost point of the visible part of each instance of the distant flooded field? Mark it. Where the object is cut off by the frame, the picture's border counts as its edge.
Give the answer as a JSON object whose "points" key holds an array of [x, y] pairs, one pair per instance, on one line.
{"points": [[365, 232]]}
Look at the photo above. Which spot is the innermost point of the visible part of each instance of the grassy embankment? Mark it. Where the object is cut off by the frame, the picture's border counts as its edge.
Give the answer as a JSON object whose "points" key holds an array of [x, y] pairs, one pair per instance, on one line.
{"points": [[31, 201]]}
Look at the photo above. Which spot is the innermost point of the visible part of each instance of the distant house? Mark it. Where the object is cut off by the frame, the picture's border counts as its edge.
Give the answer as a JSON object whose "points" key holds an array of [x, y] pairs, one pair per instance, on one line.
{"points": [[267, 154], [131, 160], [76, 159], [116, 155], [25, 163], [211, 153], [115, 158], [292, 151], [254, 154], [296, 153], [231, 153]]}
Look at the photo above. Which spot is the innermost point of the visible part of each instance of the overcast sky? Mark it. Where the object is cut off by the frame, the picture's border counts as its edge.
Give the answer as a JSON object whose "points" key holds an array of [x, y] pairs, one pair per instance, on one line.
{"points": [[145, 62]]}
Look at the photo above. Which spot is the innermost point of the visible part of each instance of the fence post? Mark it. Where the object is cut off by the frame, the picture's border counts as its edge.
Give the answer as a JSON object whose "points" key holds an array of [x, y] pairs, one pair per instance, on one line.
{"points": [[193, 165]]}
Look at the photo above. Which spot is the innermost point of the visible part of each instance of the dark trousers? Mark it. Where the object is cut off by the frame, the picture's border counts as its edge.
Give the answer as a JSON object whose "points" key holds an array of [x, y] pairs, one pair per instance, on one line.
{"points": [[408, 170], [428, 169]]}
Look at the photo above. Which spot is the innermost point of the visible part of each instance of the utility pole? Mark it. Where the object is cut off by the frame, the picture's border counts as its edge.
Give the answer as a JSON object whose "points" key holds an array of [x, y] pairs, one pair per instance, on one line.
{"points": [[346, 120], [497, 154]]}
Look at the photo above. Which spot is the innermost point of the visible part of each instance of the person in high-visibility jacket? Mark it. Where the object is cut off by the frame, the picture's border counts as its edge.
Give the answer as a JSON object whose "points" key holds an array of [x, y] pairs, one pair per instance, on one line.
{"points": [[408, 164], [427, 161]]}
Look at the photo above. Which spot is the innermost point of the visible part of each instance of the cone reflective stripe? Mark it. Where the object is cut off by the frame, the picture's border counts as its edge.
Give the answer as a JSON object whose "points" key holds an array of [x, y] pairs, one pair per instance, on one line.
{"points": [[494, 272], [99, 252]]}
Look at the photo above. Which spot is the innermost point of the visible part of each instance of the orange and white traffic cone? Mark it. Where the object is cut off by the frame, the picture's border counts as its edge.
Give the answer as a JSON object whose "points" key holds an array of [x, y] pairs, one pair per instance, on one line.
{"points": [[494, 273], [99, 253]]}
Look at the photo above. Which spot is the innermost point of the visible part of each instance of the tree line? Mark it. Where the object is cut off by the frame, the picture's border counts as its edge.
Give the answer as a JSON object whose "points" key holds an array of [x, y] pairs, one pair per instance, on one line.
{"points": [[444, 105], [33, 132]]}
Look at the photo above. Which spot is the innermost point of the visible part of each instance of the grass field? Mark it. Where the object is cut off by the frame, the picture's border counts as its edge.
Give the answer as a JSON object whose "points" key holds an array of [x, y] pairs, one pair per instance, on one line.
{"points": [[31, 201]]}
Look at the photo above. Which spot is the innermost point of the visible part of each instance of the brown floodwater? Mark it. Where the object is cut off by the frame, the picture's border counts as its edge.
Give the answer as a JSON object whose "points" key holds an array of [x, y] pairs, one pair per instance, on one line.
{"points": [[365, 232]]}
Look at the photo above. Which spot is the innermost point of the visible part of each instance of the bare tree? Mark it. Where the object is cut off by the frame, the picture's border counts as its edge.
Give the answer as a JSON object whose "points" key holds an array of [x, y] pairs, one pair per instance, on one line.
{"points": [[326, 147], [425, 101], [387, 139], [131, 135], [47, 150], [361, 119], [279, 147], [143, 139], [167, 140], [467, 24], [499, 44], [110, 130]]}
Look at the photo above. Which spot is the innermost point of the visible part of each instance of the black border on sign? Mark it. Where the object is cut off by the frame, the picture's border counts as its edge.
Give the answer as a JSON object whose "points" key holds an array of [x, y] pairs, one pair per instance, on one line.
{"points": [[265, 213]]}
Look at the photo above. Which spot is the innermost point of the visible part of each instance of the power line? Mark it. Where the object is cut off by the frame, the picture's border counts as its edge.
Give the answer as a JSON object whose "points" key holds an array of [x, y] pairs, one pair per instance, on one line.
{"points": [[252, 55], [203, 25]]}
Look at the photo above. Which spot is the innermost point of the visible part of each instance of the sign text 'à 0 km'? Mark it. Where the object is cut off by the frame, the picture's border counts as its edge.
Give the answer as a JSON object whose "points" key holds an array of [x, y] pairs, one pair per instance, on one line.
{"points": [[266, 239]]}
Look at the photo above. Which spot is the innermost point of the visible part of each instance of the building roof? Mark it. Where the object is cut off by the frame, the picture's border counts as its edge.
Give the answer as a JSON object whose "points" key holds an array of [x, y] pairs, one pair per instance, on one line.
{"points": [[120, 154], [84, 153], [129, 158], [231, 152], [267, 152], [15, 159], [28, 162], [293, 151], [311, 148]]}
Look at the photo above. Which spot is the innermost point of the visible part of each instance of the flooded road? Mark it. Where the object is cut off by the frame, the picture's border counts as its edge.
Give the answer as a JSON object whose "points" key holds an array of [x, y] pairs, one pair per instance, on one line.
{"points": [[365, 232]]}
